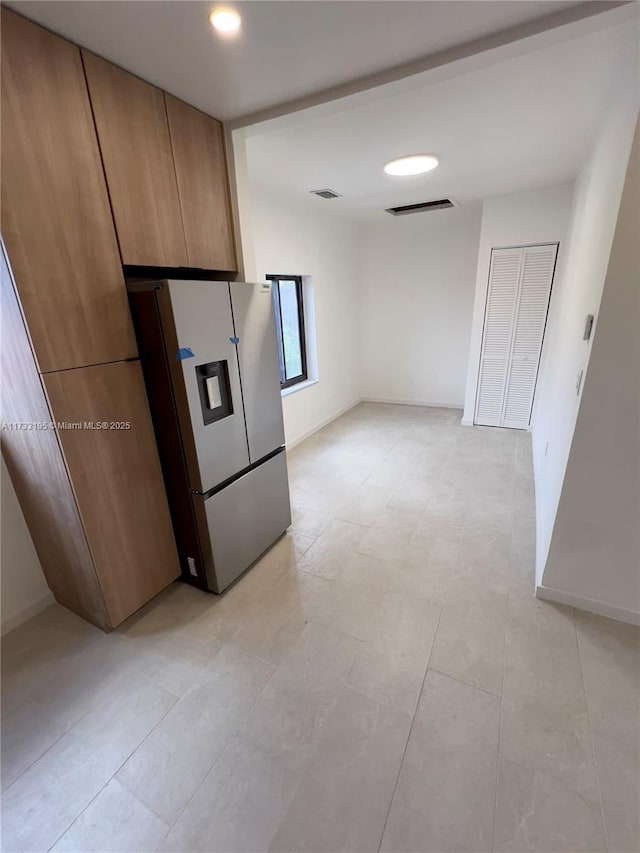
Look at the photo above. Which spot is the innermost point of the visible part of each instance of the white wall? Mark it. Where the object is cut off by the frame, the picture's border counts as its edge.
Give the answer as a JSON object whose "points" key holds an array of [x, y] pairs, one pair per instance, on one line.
{"points": [[516, 219], [595, 208], [297, 239], [418, 277], [595, 546], [24, 590]]}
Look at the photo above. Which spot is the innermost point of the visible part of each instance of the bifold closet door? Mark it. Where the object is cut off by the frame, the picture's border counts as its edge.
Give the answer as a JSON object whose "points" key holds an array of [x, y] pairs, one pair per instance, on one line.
{"points": [[520, 281]]}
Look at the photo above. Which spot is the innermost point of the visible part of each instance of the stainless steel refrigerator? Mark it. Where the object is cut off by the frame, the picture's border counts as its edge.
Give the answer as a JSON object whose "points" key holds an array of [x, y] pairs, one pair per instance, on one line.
{"points": [[208, 352]]}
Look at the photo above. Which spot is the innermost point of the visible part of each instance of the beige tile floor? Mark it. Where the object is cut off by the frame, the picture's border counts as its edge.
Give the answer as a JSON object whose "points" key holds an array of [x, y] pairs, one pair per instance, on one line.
{"points": [[383, 679]]}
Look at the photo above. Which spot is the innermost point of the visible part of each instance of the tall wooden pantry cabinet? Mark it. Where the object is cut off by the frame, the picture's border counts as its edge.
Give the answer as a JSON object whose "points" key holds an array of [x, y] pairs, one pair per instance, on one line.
{"points": [[77, 435]]}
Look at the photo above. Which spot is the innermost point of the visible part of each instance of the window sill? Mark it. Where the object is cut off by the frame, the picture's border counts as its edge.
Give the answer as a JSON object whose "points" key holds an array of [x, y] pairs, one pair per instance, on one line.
{"points": [[292, 390]]}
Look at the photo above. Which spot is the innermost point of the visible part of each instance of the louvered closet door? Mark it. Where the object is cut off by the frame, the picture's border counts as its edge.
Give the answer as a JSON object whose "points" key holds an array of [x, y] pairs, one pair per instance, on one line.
{"points": [[517, 301], [500, 314], [538, 263]]}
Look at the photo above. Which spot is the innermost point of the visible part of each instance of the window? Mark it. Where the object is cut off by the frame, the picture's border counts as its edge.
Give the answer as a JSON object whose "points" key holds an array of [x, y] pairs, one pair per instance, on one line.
{"points": [[289, 312]]}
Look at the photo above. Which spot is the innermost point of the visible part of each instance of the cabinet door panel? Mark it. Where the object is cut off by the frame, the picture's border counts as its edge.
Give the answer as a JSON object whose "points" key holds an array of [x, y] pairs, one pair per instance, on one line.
{"points": [[56, 220], [38, 472], [117, 481], [201, 170], [136, 150]]}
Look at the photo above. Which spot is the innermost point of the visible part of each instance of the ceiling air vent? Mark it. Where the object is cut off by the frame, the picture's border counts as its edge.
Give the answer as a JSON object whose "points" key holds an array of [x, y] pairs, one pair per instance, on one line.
{"points": [[439, 204], [326, 193]]}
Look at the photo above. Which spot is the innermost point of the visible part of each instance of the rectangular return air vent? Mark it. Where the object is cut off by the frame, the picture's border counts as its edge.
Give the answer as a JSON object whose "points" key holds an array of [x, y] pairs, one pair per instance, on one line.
{"points": [[403, 210], [325, 193]]}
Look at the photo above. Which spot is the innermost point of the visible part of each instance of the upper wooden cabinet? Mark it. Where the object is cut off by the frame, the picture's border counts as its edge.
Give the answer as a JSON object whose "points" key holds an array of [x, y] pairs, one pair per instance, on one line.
{"points": [[56, 220], [166, 171], [132, 126], [201, 170]]}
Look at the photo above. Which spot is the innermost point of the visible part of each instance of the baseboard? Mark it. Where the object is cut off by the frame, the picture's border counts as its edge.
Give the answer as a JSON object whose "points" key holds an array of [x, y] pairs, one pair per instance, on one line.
{"points": [[591, 605], [305, 435], [427, 403], [27, 613], [466, 422]]}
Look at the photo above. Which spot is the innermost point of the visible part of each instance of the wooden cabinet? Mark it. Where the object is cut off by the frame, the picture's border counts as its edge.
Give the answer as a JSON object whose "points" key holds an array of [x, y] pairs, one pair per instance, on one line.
{"points": [[134, 139], [197, 141], [98, 170], [110, 450], [93, 499], [38, 471], [56, 220], [166, 172]]}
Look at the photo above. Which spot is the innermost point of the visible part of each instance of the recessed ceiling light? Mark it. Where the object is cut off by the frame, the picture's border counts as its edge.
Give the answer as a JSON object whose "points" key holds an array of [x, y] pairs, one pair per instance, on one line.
{"points": [[415, 164], [225, 21]]}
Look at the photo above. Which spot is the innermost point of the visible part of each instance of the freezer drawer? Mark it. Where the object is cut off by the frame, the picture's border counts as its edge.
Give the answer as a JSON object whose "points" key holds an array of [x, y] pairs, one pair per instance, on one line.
{"points": [[246, 517]]}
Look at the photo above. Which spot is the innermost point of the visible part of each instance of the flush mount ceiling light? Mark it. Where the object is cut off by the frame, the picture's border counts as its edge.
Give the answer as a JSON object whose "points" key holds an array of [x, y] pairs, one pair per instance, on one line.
{"points": [[225, 21], [415, 164]]}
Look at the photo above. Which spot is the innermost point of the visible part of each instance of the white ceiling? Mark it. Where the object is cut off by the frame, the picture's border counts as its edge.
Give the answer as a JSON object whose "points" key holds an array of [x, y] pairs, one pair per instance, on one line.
{"points": [[286, 50], [525, 122]]}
